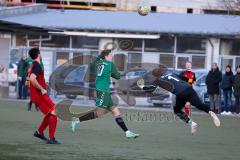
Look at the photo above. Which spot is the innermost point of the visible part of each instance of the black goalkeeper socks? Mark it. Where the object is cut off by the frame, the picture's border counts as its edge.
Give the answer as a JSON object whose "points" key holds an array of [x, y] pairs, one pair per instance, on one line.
{"points": [[88, 116], [121, 123]]}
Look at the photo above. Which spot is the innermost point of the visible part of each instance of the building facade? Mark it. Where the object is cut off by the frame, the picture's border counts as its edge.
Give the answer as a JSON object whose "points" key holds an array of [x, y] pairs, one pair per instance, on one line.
{"points": [[161, 38], [162, 6]]}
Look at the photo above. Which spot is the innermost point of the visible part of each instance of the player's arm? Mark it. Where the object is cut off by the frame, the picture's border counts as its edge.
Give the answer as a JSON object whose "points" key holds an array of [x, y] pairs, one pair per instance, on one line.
{"points": [[218, 78], [34, 82], [194, 78], [159, 83], [207, 79], [165, 85], [114, 72], [236, 84]]}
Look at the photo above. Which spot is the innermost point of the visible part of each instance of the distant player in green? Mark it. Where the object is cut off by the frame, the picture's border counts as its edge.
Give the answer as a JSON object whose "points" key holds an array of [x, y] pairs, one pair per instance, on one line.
{"points": [[103, 69]]}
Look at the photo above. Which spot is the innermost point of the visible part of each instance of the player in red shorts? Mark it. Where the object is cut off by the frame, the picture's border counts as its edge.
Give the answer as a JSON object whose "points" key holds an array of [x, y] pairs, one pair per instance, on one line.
{"points": [[189, 76], [38, 95]]}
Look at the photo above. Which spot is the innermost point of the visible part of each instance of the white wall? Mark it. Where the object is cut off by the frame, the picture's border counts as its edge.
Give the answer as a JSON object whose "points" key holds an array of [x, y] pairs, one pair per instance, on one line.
{"points": [[4, 61], [5, 41], [212, 52], [47, 58]]}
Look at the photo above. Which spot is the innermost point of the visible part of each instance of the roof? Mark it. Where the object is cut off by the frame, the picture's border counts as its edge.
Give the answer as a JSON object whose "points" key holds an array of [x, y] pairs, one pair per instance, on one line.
{"points": [[122, 21]]}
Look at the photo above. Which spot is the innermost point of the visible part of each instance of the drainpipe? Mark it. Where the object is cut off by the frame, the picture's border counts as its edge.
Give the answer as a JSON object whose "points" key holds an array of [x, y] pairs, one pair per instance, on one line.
{"points": [[175, 53], [212, 50], [40, 40]]}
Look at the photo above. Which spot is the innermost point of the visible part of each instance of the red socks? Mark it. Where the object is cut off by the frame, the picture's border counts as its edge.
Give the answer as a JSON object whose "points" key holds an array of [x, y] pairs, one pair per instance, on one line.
{"points": [[51, 121], [52, 125], [44, 124]]}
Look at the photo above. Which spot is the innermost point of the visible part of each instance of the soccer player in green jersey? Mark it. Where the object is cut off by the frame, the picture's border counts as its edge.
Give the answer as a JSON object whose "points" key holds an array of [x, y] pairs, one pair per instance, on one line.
{"points": [[103, 68]]}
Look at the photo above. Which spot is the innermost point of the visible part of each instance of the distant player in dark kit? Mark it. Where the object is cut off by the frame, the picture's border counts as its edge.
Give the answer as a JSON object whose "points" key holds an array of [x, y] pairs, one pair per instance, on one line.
{"points": [[184, 93], [38, 95]]}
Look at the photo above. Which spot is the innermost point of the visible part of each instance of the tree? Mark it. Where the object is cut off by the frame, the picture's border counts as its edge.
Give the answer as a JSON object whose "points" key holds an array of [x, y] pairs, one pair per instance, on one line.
{"points": [[232, 6]]}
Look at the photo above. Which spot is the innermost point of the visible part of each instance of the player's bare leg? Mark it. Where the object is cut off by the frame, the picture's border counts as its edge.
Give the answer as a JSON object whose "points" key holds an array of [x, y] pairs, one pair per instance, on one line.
{"points": [[119, 120], [89, 115], [193, 124]]}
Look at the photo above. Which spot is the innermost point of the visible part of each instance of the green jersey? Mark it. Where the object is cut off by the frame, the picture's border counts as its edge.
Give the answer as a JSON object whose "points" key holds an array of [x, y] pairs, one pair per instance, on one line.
{"points": [[23, 70], [104, 70]]}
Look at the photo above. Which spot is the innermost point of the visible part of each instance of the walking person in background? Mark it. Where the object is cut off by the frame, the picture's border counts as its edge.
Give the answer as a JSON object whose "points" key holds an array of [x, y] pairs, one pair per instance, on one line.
{"points": [[227, 84], [188, 75], [22, 75], [213, 80], [236, 88]]}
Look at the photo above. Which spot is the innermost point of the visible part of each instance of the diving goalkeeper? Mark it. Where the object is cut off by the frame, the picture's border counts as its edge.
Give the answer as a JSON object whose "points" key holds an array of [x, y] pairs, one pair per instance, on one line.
{"points": [[184, 93]]}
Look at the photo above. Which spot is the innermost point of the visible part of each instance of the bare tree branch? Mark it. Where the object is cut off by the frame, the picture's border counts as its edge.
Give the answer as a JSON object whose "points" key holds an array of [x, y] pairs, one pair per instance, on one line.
{"points": [[231, 5]]}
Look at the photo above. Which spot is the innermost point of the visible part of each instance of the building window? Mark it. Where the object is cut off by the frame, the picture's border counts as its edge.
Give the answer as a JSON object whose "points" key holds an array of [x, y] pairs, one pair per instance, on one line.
{"points": [[230, 47], [120, 60], [181, 61], [228, 12], [57, 42], [129, 44], [21, 40], [163, 44], [191, 45], [198, 62], [77, 58], [167, 60], [85, 42], [104, 4], [135, 59], [34, 40], [237, 63], [61, 58], [33, 36], [81, 58], [189, 10], [153, 9]]}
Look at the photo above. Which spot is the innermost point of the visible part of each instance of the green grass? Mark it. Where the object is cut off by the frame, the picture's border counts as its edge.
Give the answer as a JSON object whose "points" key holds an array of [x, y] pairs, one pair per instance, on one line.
{"points": [[103, 140]]}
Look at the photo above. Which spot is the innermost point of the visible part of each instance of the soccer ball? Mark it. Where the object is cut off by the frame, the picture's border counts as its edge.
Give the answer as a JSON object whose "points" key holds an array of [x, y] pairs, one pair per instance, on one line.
{"points": [[143, 10]]}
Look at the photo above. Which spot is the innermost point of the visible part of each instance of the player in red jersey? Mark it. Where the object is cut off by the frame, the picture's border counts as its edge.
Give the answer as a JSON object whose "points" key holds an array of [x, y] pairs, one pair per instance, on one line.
{"points": [[189, 76], [38, 95]]}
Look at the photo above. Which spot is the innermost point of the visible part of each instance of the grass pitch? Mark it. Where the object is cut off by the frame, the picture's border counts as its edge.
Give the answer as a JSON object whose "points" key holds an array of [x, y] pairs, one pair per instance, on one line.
{"points": [[103, 140]]}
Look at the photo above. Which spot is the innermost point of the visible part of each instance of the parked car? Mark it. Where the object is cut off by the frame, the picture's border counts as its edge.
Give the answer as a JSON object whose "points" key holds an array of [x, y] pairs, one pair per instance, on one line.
{"points": [[12, 73], [69, 80], [201, 89], [134, 73]]}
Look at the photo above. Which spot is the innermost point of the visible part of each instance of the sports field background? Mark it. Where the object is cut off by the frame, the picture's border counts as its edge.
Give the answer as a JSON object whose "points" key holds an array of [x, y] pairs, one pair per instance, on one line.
{"points": [[103, 140]]}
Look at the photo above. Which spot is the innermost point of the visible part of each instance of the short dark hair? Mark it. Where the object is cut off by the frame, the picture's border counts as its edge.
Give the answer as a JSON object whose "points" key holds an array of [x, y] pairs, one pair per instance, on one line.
{"points": [[159, 71], [105, 53], [33, 53]]}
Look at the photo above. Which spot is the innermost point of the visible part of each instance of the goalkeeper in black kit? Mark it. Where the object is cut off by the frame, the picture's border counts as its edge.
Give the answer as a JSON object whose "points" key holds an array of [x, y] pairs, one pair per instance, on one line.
{"points": [[183, 91]]}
